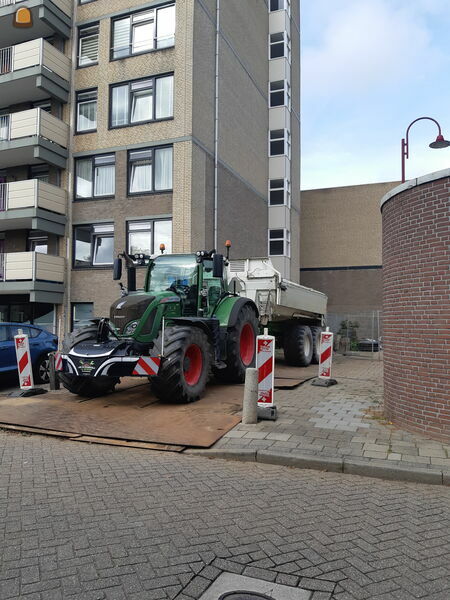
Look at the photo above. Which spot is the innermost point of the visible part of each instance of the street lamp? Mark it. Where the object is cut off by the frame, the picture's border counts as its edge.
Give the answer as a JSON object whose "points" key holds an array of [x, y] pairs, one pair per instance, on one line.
{"points": [[439, 143]]}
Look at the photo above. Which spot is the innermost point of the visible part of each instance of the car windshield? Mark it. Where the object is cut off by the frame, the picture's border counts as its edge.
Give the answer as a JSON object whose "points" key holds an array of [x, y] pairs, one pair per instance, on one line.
{"points": [[175, 272]]}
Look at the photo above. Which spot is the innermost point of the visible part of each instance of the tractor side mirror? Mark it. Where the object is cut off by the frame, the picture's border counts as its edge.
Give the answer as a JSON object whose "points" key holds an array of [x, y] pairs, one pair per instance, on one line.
{"points": [[117, 271], [218, 265]]}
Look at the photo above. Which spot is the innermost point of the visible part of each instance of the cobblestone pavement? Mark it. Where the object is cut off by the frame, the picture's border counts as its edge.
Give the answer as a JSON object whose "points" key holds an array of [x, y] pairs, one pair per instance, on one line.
{"points": [[93, 522], [344, 420]]}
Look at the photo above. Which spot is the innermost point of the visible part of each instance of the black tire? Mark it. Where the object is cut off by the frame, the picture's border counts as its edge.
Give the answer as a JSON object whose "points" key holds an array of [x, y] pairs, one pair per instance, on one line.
{"points": [[298, 345], [88, 387], [238, 361], [316, 331], [41, 369], [79, 335], [186, 366]]}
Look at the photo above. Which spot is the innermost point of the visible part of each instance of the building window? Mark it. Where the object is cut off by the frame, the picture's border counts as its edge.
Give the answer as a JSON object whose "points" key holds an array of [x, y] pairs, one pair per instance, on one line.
{"points": [[150, 170], [280, 143], [40, 172], [143, 31], [280, 94], [87, 111], [279, 192], [94, 245], [88, 45], [95, 176], [141, 101], [82, 313], [279, 5], [279, 242], [145, 237], [280, 46]]}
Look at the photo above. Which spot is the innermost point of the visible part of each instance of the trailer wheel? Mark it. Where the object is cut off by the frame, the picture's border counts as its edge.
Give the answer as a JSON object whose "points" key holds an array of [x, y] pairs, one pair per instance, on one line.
{"points": [[298, 345], [241, 347], [316, 331], [88, 387], [186, 366]]}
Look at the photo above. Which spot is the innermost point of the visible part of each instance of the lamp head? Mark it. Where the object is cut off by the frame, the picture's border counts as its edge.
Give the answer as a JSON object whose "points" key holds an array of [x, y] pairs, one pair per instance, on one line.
{"points": [[440, 143]]}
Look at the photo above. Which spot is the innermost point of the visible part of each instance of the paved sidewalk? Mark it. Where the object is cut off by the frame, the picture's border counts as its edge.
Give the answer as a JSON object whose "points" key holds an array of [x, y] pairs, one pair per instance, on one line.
{"points": [[342, 422]]}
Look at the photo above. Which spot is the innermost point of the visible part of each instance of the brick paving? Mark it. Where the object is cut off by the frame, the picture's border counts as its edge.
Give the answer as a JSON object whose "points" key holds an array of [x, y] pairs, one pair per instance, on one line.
{"points": [[340, 421], [93, 522]]}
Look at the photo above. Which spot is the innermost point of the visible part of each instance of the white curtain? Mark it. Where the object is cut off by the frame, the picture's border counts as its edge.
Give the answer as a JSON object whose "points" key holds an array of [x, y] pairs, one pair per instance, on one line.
{"points": [[166, 27], [84, 178], [141, 176], [163, 169], [163, 235], [119, 113], [143, 37], [104, 177], [142, 106], [164, 97], [87, 115], [121, 37]]}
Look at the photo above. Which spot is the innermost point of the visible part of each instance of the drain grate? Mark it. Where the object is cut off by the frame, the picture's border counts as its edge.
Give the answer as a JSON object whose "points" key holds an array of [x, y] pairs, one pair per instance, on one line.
{"points": [[244, 596], [230, 586]]}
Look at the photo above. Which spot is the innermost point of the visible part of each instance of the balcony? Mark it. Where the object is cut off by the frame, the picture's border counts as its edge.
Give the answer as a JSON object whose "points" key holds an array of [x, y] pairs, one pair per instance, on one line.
{"points": [[39, 275], [33, 70], [32, 136], [50, 17], [32, 204]]}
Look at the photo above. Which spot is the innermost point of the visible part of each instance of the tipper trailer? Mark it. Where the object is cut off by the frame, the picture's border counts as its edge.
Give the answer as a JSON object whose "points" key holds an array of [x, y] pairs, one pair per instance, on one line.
{"points": [[198, 314]]}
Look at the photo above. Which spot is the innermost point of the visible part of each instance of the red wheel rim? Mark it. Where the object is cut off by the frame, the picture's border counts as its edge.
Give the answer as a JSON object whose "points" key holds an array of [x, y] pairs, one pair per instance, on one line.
{"points": [[247, 344], [193, 364]]}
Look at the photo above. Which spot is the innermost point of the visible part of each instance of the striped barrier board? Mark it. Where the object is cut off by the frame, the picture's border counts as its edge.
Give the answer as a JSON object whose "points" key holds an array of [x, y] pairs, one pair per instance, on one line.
{"points": [[24, 362], [326, 354], [58, 362], [265, 363], [147, 366]]}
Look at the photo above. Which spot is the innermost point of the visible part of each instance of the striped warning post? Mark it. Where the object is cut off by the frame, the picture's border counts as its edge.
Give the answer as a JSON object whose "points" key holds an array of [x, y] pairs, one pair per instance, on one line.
{"points": [[24, 361], [326, 354], [265, 363], [58, 362], [147, 366]]}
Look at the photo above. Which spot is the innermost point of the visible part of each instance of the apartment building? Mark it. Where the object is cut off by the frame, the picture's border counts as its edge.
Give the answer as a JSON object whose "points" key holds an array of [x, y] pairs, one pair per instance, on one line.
{"points": [[124, 125]]}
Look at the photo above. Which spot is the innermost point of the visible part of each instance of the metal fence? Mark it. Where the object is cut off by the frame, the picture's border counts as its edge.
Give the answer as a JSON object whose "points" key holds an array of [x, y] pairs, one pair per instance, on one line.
{"points": [[3, 194], [6, 55], [8, 2], [357, 334], [4, 127]]}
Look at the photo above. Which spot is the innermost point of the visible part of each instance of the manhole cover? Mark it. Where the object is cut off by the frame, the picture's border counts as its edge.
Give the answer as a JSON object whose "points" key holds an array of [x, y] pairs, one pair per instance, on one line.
{"points": [[244, 596]]}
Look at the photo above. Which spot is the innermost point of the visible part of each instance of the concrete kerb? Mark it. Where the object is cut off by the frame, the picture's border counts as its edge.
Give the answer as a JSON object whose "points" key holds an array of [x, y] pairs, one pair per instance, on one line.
{"points": [[329, 464]]}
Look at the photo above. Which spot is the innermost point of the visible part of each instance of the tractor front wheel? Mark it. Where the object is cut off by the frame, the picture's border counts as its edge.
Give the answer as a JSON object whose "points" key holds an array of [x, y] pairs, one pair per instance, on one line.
{"points": [[185, 369], [241, 347]]}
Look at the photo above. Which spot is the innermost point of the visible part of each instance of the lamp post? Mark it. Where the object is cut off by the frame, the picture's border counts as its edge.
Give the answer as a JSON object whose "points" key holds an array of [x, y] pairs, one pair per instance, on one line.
{"points": [[438, 143]]}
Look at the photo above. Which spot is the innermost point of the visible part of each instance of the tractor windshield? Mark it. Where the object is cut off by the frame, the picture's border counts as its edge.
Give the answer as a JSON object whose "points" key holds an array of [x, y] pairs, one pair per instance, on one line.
{"points": [[174, 272]]}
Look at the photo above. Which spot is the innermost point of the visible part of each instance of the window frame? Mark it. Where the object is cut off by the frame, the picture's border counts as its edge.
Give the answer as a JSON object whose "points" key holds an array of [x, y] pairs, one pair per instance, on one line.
{"points": [[287, 6], [286, 191], [93, 238], [286, 239], [286, 46], [129, 163], [129, 83], [77, 104], [92, 158], [72, 307], [286, 90], [152, 231], [286, 143], [132, 14], [80, 37]]}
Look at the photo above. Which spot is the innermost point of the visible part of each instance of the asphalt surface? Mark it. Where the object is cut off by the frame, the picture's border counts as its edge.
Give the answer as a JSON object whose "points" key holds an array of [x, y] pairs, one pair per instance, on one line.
{"points": [[94, 522]]}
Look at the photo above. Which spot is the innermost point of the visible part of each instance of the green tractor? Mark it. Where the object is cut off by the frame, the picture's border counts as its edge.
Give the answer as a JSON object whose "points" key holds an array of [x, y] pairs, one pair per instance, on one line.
{"points": [[184, 326]]}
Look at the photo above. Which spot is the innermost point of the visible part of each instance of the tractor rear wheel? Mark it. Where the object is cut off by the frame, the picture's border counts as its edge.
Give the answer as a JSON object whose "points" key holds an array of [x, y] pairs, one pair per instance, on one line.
{"points": [[79, 335], [186, 366], [241, 347], [298, 345], [316, 331]]}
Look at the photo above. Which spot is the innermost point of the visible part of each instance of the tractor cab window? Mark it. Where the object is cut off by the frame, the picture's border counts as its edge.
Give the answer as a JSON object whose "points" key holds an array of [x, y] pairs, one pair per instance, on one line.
{"points": [[176, 273], [213, 286]]}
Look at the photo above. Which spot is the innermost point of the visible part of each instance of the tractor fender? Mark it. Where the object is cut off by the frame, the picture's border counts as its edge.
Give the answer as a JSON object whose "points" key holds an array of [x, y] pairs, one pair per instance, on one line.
{"points": [[201, 323], [228, 309]]}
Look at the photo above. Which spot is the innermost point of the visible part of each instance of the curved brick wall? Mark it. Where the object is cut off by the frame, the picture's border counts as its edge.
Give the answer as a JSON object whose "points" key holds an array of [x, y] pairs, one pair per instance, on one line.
{"points": [[416, 305]]}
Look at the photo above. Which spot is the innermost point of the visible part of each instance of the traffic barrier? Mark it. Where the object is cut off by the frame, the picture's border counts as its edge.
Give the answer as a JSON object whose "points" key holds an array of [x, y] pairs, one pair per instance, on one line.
{"points": [[58, 362], [24, 361], [326, 359], [147, 366], [265, 363]]}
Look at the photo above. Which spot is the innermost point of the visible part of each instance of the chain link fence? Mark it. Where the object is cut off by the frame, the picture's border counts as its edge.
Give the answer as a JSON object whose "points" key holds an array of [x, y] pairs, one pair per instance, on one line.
{"points": [[357, 334]]}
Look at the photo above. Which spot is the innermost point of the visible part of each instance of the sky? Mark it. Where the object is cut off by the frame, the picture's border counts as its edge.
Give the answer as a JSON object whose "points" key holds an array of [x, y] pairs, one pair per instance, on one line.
{"points": [[369, 68]]}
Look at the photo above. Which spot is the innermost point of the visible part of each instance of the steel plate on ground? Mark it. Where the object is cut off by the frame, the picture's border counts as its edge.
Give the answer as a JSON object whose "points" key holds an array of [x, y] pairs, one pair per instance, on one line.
{"points": [[132, 413]]}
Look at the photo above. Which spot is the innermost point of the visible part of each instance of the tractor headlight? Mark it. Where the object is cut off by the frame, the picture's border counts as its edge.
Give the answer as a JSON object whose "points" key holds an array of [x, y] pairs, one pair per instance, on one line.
{"points": [[130, 328]]}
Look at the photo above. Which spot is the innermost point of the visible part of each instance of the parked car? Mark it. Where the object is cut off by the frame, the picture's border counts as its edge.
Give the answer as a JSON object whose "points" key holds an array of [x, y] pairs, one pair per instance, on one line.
{"points": [[41, 343]]}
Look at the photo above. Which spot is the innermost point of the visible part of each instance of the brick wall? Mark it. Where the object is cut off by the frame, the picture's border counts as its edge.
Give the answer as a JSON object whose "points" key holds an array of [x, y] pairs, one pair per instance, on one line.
{"points": [[416, 304]]}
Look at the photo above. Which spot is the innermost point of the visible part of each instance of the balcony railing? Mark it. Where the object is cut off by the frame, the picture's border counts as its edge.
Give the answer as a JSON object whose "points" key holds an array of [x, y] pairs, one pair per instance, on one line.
{"points": [[64, 5], [8, 2], [33, 53], [31, 266], [33, 122], [32, 193]]}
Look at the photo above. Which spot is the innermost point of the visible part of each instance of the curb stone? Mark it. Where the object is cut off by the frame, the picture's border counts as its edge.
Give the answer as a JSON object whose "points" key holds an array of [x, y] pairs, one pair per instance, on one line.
{"points": [[328, 463]]}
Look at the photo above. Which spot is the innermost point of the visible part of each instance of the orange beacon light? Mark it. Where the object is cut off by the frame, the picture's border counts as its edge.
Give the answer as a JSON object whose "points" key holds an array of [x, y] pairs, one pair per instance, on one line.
{"points": [[23, 18]]}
